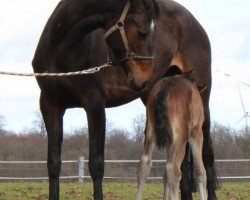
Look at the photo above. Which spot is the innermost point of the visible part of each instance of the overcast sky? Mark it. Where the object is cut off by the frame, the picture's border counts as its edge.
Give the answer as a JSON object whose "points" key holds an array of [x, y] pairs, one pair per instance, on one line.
{"points": [[227, 24]]}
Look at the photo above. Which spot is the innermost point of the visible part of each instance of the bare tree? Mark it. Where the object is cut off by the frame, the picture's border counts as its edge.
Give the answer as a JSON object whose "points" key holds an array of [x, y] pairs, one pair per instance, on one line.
{"points": [[2, 125], [226, 141], [38, 124], [138, 126]]}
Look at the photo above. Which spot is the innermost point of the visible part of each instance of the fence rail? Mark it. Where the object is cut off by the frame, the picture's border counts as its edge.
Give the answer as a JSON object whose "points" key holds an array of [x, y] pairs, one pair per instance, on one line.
{"points": [[80, 168]]}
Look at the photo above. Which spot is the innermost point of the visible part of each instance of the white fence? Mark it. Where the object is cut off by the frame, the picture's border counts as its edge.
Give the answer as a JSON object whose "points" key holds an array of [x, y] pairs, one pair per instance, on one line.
{"points": [[228, 169]]}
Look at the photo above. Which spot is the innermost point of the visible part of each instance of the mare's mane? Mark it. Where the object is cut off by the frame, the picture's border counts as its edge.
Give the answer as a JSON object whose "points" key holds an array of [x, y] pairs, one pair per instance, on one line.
{"points": [[151, 8]]}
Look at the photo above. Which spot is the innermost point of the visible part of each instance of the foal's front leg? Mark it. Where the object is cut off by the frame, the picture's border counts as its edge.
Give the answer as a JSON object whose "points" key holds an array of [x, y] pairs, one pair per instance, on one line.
{"points": [[145, 163]]}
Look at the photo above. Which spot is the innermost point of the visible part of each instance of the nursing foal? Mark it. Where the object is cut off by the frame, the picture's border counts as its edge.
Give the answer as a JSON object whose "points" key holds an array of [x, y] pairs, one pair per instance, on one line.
{"points": [[174, 117]]}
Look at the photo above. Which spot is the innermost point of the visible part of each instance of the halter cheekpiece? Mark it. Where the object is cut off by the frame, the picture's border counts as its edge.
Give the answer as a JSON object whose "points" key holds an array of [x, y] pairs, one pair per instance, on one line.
{"points": [[130, 55]]}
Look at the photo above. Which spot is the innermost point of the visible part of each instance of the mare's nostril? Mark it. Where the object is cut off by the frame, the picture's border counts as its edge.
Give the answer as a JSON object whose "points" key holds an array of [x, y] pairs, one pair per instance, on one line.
{"points": [[131, 80], [133, 84]]}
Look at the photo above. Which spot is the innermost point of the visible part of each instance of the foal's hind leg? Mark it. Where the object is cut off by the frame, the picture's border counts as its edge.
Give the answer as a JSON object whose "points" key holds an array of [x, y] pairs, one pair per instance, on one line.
{"points": [[146, 162], [196, 143], [172, 174]]}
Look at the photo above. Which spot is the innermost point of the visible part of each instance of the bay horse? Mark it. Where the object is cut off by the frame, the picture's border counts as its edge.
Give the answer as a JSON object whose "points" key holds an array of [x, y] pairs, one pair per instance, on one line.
{"points": [[65, 47], [67, 44], [174, 118]]}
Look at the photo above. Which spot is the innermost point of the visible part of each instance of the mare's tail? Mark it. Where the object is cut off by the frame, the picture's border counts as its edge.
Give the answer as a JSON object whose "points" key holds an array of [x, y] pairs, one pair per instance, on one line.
{"points": [[187, 183], [162, 126]]}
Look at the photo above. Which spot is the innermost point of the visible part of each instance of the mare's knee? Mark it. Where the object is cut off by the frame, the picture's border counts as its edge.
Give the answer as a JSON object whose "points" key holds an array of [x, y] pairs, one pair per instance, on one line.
{"points": [[54, 166], [96, 167]]}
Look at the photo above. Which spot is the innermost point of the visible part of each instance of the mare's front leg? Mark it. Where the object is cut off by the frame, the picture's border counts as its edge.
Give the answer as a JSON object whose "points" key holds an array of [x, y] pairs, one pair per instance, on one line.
{"points": [[53, 118], [96, 124]]}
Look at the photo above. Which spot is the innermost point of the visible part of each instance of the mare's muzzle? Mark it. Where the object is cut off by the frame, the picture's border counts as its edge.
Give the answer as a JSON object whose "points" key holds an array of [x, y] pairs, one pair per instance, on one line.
{"points": [[134, 86]]}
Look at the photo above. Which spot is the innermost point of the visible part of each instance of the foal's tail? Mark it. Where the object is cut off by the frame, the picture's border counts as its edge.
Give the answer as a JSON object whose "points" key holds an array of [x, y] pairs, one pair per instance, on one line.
{"points": [[162, 126]]}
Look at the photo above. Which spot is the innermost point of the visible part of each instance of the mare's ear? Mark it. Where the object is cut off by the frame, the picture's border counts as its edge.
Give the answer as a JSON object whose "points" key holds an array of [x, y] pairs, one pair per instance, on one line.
{"points": [[173, 70]]}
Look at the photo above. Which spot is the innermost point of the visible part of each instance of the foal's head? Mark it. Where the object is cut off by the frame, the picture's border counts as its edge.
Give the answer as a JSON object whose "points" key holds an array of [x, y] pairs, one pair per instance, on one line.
{"points": [[131, 39]]}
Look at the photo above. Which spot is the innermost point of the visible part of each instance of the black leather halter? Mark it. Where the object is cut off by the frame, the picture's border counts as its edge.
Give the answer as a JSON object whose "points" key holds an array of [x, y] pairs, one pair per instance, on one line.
{"points": [[130, 55]]}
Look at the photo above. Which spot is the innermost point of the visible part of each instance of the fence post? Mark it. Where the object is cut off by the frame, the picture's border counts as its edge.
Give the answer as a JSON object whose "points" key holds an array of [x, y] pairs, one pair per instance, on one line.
{"points": [[81, 169]]}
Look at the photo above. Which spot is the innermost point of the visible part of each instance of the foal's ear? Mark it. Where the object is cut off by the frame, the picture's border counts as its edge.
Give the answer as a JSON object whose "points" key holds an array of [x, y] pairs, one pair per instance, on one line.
{"points": [[173, 70], [188, 75], [189, 72], [201, 89]]}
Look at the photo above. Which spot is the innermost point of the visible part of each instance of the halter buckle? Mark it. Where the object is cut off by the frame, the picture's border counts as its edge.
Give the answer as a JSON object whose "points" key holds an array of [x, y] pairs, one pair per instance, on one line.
{"points": [[119, 25], [130, 55]]}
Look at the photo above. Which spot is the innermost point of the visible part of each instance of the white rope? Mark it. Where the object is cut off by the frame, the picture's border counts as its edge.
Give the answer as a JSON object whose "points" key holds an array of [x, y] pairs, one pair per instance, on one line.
{"points": [[230, 76], [46, 74], [90, 71]]}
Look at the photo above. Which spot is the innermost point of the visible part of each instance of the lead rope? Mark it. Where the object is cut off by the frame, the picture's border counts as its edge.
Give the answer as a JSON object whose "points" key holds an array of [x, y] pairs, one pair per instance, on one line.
{"points": [[47, 74]]}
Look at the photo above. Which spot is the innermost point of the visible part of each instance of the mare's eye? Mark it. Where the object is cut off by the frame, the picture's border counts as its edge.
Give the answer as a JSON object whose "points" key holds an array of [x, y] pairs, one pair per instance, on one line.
{"points": [[142, 35]]}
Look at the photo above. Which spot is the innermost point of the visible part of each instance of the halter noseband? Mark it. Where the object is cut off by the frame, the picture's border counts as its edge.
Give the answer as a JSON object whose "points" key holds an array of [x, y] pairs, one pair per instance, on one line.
{"points": [[130, 55]]}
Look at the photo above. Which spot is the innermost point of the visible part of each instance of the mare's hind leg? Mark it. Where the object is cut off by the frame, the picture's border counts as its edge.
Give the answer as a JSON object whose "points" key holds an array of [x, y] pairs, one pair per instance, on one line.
{"points": [[172, 174], [196, 143], [96, 124], [53, 118], [186, 182], [146, 162], [208, 157]]}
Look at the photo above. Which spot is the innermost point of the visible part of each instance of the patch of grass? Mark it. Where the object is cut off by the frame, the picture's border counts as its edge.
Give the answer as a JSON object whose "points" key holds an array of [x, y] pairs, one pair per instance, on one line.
{"points": [[19, 191], [112, 191], [235, 191]]}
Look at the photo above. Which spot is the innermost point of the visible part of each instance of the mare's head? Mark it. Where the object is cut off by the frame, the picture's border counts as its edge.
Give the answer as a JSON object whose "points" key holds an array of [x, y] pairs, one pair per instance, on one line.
{"points": [[130, 36]]}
